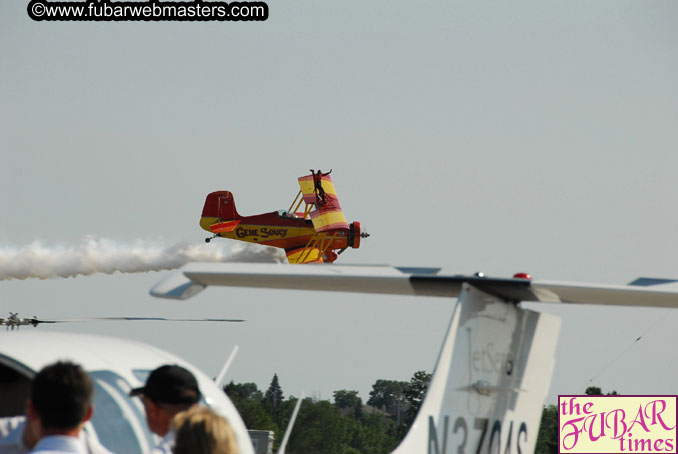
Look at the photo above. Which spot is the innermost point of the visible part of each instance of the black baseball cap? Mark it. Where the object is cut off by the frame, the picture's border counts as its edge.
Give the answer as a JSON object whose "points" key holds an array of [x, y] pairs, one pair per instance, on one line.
{"points": [[170, 384]]}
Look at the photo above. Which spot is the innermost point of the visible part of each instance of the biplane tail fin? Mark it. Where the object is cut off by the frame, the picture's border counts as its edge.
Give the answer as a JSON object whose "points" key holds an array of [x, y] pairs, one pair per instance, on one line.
{"points": [[220, 204], [219, 213]]}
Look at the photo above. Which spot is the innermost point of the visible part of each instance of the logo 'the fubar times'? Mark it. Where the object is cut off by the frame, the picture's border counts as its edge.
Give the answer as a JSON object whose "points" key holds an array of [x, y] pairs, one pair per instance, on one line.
{"points": [[617, 424]]}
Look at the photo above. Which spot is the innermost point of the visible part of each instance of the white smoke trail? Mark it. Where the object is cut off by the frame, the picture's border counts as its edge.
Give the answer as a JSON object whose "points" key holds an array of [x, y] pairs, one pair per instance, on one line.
{"points": [[100, 255]]}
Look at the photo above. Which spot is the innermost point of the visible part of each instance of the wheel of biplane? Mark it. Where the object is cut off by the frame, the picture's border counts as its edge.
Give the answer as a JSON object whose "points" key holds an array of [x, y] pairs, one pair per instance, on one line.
{"points": [[330, 256]]}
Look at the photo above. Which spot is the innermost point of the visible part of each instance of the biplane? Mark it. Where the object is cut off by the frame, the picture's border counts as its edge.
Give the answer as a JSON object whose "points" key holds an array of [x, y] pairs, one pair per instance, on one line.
{"points": [[319, 233]]}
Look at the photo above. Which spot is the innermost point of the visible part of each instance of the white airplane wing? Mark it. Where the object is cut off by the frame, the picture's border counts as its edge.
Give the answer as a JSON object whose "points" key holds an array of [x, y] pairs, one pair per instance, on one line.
{"points": [[194, 277], [494, 369]]}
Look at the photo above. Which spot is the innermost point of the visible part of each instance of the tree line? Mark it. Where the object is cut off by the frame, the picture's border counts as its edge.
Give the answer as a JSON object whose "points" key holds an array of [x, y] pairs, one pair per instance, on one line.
{"points": [[344, 426]]}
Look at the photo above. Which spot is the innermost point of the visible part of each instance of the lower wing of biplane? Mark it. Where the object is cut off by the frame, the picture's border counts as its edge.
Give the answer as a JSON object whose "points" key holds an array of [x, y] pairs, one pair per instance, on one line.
{"points": [[494, 369], [319, 233]]}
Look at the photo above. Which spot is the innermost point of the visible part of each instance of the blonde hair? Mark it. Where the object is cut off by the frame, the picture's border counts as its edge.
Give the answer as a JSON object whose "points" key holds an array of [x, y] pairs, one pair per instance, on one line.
{"points": [[200, 430]]}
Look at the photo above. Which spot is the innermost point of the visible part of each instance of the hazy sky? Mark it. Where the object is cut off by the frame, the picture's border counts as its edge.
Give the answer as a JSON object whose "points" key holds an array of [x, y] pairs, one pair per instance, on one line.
{"points": [[493, 136]]}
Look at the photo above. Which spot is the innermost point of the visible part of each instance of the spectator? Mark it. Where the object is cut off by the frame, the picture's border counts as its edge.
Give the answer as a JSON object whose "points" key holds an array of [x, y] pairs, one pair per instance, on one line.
{"points": [[169, 390], [201, 431], [59, 405], [18, 435]]}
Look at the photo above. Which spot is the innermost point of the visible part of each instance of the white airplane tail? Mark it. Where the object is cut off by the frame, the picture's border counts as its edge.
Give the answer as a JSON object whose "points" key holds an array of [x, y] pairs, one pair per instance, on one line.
{"points": [[490, 381]]}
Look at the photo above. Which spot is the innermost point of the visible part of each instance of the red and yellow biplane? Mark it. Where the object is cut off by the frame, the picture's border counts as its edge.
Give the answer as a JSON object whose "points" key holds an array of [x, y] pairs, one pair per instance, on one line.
{"points": [[311, 235]]}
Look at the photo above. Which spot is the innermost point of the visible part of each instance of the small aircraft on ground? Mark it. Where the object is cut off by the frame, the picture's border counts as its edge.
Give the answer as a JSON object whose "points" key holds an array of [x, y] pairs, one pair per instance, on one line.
{"points": [[312, 235], [14, 321], [495, 365]]}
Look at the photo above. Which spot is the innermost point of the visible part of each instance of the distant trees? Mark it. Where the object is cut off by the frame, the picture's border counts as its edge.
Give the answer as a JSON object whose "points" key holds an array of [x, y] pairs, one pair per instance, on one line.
{"points": [[249, 401], [415, 391], [347, 399], [343, 427], [596, 391], [243, 391], [400, 398], [389, 396], [274, 394], [346, 426], [547, 439]]}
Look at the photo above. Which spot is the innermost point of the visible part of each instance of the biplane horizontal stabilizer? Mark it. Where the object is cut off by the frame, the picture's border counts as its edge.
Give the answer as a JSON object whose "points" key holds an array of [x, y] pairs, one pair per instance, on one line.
{"points": [[223, 227]]}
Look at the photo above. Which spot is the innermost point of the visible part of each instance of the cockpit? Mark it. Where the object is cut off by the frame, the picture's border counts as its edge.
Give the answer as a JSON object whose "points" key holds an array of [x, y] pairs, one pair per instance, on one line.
{"points": [[287, 215]]}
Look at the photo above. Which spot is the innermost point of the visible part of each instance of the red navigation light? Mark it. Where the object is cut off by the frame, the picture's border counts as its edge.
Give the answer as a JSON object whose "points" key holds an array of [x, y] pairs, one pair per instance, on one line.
{"points": [[527, 276]]}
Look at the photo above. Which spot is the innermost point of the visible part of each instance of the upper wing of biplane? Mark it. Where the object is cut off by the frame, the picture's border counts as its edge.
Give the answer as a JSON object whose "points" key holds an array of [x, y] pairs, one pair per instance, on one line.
{"points": [[329, 221], [319, 190]]}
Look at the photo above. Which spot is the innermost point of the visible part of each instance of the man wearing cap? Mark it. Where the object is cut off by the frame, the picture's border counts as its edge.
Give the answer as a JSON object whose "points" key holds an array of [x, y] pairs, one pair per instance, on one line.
{"points": [[169, 390]]}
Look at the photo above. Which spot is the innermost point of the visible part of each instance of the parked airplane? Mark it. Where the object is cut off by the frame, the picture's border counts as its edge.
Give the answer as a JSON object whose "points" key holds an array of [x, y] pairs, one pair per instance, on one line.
{"points": [[494, 369], [116, 366]]}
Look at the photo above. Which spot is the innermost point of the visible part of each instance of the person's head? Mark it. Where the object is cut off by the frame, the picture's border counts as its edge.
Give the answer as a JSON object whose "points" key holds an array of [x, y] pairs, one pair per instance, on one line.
{"points": [[60, 399], [169, 390], [201, 431]]}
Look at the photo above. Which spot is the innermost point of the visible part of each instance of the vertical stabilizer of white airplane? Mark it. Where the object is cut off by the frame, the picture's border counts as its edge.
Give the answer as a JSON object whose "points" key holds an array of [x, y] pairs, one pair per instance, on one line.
{"points": [[489, 385]]}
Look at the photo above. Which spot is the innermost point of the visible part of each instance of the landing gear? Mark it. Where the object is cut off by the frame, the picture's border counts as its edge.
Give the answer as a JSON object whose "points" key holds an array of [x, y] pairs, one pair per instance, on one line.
{"points": [[330, 256], [207, 240]]}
